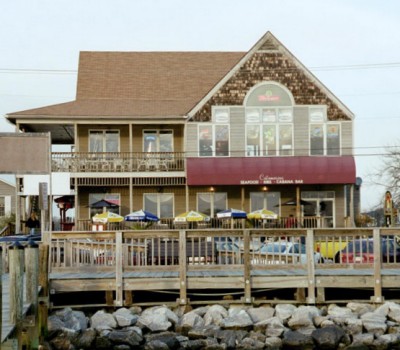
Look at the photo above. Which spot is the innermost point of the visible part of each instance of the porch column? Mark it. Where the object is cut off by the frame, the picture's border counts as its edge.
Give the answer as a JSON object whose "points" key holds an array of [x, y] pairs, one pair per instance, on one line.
{"points": [[298, 208], [187, 196], [242, 197], [351, 205]]}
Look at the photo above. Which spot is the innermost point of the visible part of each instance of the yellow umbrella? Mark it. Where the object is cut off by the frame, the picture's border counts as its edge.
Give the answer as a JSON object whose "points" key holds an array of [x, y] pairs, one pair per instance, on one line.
{"points": [[107, 217], [262, 214], [190, 216]]}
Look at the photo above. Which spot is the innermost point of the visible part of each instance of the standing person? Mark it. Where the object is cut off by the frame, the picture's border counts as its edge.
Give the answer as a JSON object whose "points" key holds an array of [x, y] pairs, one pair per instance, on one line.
{"points": [[32, 223]]}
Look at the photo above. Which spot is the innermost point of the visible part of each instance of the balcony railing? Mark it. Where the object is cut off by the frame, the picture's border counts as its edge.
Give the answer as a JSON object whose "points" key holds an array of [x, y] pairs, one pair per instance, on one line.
{"points": [[98, 162]]}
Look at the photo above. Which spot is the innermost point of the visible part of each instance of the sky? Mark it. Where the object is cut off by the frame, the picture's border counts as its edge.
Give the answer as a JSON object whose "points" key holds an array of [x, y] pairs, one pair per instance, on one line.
{"points": [[351, 46]]}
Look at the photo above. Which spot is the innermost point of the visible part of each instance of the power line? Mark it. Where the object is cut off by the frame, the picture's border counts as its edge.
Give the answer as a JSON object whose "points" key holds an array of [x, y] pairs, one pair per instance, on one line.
{"points": [[316, 68]]}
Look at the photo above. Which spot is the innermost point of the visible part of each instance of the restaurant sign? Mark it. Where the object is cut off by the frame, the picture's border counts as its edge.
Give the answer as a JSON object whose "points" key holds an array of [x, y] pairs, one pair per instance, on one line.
{"points": [[271, 180]]}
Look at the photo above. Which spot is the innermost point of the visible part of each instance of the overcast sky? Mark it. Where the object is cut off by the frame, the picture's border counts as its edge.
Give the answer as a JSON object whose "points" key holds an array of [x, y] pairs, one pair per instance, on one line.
{"points": [[352, 46]]}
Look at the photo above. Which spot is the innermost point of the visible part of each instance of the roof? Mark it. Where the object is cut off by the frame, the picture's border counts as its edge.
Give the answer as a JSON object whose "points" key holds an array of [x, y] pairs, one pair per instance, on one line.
{"points": [[271, 170], [141, 83]]}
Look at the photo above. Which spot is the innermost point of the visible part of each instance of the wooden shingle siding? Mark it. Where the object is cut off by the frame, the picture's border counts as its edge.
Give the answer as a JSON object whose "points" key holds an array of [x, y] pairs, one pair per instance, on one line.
{"points": [[270, 66]]}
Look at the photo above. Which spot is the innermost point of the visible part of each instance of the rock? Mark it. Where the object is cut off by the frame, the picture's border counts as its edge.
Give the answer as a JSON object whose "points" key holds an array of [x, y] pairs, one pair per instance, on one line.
{"points": [[102, 342], [215, 314], [284, 311], [125, 317], [363, 339], [85, 339], [61, 342], [125, 336], [203, 333], [167, 338], [261, 313], [249, 343], [240, 320], [328, 337], [273, 343], [297, 340], [360, 308], [156, 345], [339, 315], [353, 326], [103, 320], [190, 321], [54, 325], [302, 319], [272, 327], [230, 337], [387, 341], [374, 322], [157, 319]]}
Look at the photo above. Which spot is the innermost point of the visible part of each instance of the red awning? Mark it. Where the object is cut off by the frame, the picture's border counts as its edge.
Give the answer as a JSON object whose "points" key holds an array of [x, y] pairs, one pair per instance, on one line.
{"points": [[272, 170]]}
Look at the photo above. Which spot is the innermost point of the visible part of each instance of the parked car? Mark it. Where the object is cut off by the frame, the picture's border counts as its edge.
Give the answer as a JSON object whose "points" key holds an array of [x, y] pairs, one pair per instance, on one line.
{"points": [[289, 251], [21, 238], [362, 251]]}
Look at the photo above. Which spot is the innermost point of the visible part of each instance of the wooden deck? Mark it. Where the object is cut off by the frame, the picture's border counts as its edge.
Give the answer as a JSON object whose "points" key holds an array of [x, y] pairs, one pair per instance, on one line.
{"points": [[219, 259]]}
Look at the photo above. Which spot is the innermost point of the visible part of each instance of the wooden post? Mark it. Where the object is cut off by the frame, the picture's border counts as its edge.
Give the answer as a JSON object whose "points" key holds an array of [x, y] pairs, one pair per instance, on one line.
{"points": [[310, 266], [44, 269], [42, 322], [182, 268], [119, 295], [246, 264], [32, 274], [377, 298], [16, 263]]}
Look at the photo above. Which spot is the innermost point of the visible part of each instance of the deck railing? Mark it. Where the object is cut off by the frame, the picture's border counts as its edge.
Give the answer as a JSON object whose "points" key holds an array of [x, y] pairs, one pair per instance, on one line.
{"points": [[78, 162], [226, 258], [213, 223]]}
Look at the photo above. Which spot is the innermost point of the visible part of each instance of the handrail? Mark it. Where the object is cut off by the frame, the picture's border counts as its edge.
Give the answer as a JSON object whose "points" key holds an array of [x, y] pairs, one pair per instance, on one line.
{"points": [[246, 251], [117, 161]]}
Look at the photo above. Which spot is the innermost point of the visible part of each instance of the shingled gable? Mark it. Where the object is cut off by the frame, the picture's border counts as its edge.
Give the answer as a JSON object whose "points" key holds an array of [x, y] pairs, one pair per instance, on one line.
{"points": [[269, 60], [140, 84]]}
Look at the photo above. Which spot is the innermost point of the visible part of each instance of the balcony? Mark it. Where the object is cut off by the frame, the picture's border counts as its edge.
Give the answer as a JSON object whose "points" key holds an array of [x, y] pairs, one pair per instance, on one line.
{"points": [[106, 162]]}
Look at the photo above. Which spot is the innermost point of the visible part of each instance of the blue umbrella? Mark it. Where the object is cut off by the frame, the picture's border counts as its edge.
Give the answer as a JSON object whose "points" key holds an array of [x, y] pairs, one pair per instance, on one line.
{"points": [[232, 213], [141, 215]]}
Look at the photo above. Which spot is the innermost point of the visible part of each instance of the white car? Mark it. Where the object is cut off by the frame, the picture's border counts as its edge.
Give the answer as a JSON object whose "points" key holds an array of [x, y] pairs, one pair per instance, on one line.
{"points": [[290, 252]]}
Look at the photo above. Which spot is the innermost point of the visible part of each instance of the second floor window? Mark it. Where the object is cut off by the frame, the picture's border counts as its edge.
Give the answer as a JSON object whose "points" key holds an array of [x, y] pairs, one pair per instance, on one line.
{"points": [[214, 140], [103, 141], [158, 141], [324, 139]]}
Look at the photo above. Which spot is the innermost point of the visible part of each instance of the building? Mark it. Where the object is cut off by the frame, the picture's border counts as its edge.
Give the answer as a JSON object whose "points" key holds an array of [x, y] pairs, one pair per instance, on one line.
{"points": [[174, 131], [7, 198]]}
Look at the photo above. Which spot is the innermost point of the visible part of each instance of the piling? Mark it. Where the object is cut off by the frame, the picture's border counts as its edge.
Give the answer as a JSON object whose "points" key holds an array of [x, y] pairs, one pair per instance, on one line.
{"points": [[16, 267]]}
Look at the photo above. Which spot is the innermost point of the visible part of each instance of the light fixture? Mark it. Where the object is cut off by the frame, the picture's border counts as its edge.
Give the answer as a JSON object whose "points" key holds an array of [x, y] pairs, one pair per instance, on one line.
{"points": [[265, 188], [212, 189]]}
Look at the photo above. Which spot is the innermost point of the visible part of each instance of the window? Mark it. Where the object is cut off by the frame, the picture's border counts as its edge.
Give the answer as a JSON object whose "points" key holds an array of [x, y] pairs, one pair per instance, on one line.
{"points": [[114, 198], [213, 140], [210, 203], [265, 200], [325, 139], [104, 141], [160, 204], [2, 206], [269, 132], [158, 141]]}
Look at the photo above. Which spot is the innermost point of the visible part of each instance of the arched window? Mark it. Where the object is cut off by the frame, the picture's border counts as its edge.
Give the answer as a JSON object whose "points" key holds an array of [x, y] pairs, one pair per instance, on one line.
{"points": [[269, 120]]}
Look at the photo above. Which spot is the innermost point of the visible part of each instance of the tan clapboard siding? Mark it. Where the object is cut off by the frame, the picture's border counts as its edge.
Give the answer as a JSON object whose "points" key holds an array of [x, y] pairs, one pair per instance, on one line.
{"points": [[237, 132], [192, 140], [347, 138], [301, 131]]}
